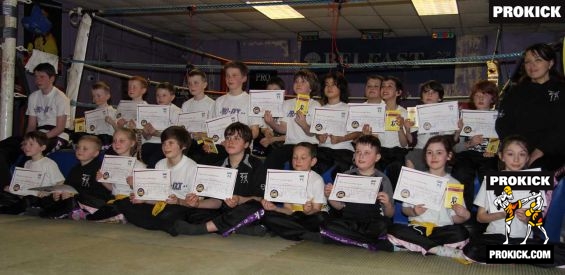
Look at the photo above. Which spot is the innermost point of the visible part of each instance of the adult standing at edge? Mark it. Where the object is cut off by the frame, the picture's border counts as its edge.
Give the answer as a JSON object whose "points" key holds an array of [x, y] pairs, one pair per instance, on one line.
{"points": [[535, 108]]}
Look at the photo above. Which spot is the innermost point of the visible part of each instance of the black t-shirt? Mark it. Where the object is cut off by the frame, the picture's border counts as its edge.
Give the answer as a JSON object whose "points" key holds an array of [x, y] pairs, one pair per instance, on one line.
{"points": [[83, 179], [251, 176]]}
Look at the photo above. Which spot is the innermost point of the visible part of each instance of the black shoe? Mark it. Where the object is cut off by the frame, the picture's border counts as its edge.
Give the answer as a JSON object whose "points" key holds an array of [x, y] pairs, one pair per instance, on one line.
{"points": [[252, 230], [312, 236]]}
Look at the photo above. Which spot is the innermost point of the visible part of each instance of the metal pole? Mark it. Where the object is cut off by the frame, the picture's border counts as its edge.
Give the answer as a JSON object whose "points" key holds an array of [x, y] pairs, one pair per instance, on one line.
{"points": [[8, 67], [75, 72]]}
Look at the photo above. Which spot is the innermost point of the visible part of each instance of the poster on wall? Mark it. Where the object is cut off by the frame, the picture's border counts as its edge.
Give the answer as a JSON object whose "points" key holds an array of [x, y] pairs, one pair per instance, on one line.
{"points": [[358, 51]]}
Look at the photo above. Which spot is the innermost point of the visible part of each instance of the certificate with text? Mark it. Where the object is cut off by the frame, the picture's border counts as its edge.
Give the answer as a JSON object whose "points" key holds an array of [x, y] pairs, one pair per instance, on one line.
{"points": [[116, 169], [437, 117], [417, 187], [95, 120], [286, 186], [158, 115], [329, 121], [356, 189], [477, 122], [152, 184], [361, 114], [24, 179], [214, 182], [215, 127], [194, 122], [266, 100], [127, 109]]}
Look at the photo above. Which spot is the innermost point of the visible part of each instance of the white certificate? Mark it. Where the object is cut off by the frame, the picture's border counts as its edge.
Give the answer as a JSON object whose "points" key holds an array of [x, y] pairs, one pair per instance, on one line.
{"points": [[95, 120], [417, 187], [286, 186], [329, 121], [127, 109], [214, 182], [24, 179], [152, 184], [357, 189], [477, 122], [215, 127], [361, 114], [438, 117], [193, 122], [56, 188], [158, 115], [266, 100], [116, 169]]}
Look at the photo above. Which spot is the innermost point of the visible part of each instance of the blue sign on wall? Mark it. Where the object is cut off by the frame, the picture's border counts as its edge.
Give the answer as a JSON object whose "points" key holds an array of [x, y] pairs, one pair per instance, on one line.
{"points": [[355, 51]]}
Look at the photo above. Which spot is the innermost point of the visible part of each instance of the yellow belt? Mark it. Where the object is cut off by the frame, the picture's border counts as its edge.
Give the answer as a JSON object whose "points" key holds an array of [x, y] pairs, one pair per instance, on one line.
{"points": [[428, 225]]}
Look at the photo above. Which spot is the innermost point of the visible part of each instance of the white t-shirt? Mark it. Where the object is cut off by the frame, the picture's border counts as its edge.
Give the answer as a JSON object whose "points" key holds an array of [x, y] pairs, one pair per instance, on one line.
{"points": [[106, 128], [518, 229], [439, 218], [389, 139], [206, 104], [295, 134], [182, 174], [49, 168], [48, 107], [347, 145], [125, 189], [230, 105], [173, 118], [315, 188]]}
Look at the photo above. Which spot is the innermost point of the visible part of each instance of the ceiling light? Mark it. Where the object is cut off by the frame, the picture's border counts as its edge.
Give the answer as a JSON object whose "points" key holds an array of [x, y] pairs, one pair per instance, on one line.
{"points": [[435, 7], [275, 11]]}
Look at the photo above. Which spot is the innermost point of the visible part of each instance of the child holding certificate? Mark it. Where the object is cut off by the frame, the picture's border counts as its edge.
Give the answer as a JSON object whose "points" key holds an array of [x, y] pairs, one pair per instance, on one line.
{"points": [[335, 149], [431, 231], [200, 102], [296, 123], [160, 215], [472, 158], [125, 145], [300, 221], [101, 96], [430, 92], [268, 139], [137, 87], [34, 145], [151, 151], [393, 143], [363, 225], [515, 154], [91, 194], [241, 212]]}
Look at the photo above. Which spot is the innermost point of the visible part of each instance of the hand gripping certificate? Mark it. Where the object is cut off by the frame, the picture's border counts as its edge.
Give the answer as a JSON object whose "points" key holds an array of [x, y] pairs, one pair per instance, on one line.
{"points": [[416, 187], [152, 184], [361, 114], [194, 122], [266, 100], [286, 186], [95, 120], [214, 182], [157, 115], [215, 127], [356, 189], [127, 109], [116, 169], [329, 121], [438, 117], [24, 179], [477, 122]]}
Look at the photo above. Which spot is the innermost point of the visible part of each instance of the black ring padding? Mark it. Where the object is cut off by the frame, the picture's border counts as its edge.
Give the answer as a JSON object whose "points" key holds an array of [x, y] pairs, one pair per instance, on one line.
{"points": [[9, 10], [9, 32]]}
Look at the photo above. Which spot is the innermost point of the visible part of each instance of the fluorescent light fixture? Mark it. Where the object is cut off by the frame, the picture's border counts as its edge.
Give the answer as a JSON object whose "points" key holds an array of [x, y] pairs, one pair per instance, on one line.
{"points": [[435, 7], [275, 11]]}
